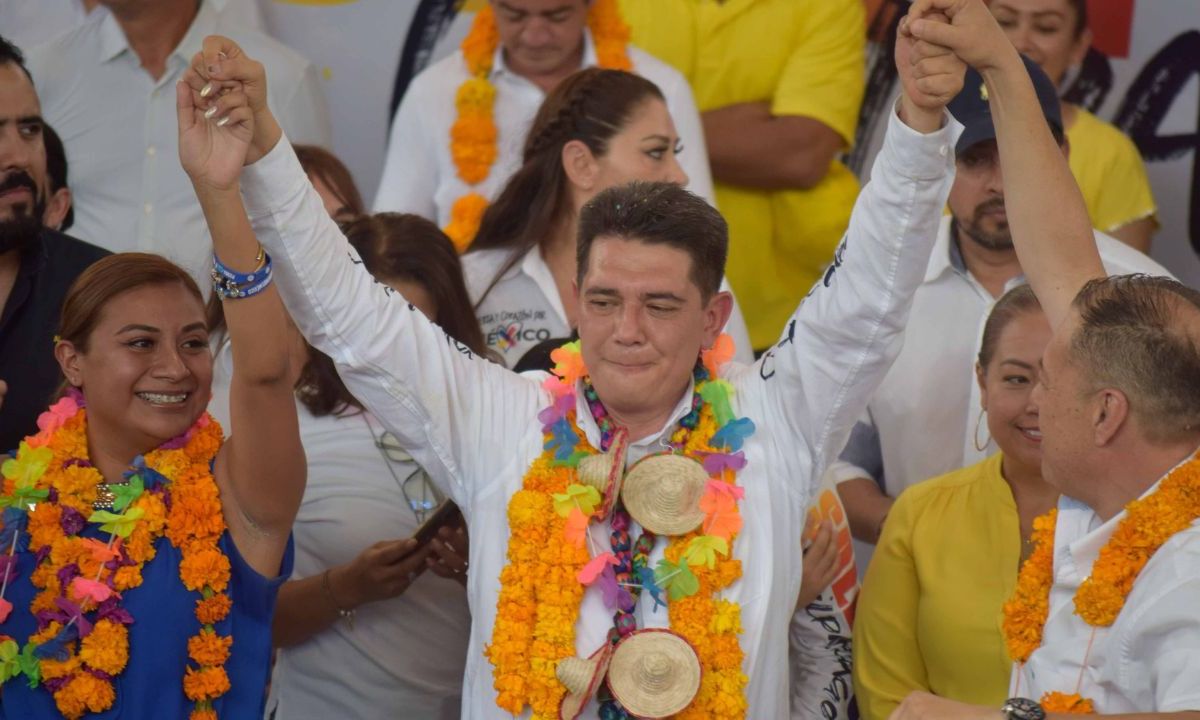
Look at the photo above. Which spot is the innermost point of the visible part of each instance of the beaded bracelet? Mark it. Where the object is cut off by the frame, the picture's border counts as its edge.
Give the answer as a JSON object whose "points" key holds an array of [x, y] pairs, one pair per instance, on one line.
{"points": [[230, 284]]}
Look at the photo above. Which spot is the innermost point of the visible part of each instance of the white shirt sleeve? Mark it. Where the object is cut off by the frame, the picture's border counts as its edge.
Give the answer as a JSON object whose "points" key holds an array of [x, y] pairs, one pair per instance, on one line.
{"points": [[448, 407], [843, 338], [410, 168], [304, 114]]}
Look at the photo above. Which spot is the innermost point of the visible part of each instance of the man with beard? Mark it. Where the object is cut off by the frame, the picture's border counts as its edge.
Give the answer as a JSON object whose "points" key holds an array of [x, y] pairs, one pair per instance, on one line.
{"points": [[925, 418], [37, 264]]}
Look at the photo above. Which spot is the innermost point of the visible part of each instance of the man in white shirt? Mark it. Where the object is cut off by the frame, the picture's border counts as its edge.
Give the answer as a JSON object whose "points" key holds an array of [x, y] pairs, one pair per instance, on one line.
{"points": [[925, 419], [541, 42], [648, 303], [1119, 411], [107, 87]]}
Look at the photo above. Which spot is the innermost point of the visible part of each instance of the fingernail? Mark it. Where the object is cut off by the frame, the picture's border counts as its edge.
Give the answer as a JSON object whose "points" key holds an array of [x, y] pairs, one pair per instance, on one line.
{"points": [[206, 90], [210, 112], [223, 122]]}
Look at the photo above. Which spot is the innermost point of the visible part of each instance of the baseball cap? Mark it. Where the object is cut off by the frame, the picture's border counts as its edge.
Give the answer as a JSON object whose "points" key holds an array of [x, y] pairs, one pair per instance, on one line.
{"points": [[971, 107]]}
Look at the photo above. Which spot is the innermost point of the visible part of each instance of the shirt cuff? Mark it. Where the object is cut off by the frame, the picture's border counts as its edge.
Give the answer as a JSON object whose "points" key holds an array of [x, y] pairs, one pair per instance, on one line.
{"points": [[840, 471], [274, 178], [917, 155]]}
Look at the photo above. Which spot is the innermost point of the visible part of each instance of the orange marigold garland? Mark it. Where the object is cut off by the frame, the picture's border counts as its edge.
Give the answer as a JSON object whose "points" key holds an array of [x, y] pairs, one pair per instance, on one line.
{"points": [[1148, 523], [473, 135], [82, 642], [540, 588]]}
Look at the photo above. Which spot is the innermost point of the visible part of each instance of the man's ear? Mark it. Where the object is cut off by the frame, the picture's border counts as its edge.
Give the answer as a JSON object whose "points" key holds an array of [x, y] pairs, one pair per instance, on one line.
{"points": [[1110, 412], [57, 207], [716, 316]]}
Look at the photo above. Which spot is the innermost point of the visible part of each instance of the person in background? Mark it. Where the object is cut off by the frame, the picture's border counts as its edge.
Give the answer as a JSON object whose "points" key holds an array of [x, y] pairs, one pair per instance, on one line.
{"points": [[924, 421], [332, 181], [778, 83], [598, 128], [28, 24], [1104, 161], [107, 87], [447, 159], [37, 263], [59, 214], [358, 626], [929, 612]]}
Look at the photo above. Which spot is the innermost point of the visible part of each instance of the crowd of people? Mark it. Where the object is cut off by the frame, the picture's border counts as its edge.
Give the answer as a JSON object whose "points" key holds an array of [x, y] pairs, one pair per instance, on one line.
{"points": [[508, 445]]}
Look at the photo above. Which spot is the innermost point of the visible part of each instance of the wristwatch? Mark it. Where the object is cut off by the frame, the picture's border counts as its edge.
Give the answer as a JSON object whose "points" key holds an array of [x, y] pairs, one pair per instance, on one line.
{"points": [[1022, 709]]}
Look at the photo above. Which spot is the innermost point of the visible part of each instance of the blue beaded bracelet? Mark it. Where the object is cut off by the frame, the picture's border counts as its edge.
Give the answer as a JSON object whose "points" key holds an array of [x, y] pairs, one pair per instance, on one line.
{"points": [[230, 284]]}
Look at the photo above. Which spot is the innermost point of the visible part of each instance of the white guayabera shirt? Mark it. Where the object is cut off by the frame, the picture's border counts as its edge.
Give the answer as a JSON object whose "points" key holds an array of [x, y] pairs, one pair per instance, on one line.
{"points": [[473, 424], [1148, 660]]}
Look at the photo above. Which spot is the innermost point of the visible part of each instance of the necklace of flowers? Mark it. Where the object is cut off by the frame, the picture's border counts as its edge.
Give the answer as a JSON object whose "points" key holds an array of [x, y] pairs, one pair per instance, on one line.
{"points": [[552, 556], [1148, 523], [473, 135], [82, 641]]}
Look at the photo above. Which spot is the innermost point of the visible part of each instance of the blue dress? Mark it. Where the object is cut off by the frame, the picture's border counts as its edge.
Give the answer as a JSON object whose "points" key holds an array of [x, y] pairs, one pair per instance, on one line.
{"points": [[164, 618]]}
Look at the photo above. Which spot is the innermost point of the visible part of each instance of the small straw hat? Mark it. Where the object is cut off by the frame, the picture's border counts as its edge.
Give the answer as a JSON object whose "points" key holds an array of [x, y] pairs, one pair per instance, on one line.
{"points": [[582, 679], [654, 673], [604, 472], [662, 492]]}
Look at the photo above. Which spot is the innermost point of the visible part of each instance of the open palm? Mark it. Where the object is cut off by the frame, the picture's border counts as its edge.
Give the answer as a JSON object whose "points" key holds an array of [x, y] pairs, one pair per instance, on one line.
{"points": [[213, 149]]}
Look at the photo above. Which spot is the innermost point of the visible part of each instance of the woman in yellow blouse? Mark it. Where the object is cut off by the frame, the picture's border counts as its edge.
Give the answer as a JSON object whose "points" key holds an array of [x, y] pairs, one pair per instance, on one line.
{"points": [[1105, 162], [930, 608]]}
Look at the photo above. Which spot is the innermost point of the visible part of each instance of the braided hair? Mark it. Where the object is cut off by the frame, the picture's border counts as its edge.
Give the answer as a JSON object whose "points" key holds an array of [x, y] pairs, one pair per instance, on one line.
{"points": [[590, 106]]}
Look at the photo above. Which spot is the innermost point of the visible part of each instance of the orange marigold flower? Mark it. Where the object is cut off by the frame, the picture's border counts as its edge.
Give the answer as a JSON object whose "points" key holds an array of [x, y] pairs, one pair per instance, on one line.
{"points": [[206, 683], [204, 564], [212, 610], [106, 648], [209, 648], [465, 216], [203, 714]]}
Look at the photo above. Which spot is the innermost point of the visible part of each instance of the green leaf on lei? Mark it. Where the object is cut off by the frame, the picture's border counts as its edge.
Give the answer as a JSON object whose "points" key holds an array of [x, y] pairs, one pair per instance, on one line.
{"points": [[125, 494], [121, 525]]}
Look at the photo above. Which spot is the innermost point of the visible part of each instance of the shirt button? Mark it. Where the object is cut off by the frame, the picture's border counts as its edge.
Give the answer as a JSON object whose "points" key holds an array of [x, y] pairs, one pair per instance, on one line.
{"points": [[150, 151], [943, 150], [148, 209]]}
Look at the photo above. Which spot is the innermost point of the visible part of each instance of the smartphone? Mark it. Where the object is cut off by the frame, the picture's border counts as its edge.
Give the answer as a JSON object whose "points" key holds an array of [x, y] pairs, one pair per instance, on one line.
{"points": [[445, 514]]}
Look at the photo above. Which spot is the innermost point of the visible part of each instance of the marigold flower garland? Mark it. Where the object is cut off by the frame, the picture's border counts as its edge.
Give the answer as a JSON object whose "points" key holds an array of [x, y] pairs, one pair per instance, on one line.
{"points": [[82, 641], [548, 566], [473, 135], [1148, 523]]}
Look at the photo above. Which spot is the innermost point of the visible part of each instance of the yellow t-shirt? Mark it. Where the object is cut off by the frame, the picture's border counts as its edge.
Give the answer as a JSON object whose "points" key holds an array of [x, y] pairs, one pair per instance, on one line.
{"points": [[1110, 172], [805, 57], [664, 28], [930, 609]]}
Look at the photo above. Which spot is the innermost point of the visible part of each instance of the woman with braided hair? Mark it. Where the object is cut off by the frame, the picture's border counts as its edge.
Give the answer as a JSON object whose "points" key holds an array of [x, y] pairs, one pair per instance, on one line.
{"points": [[597, 129]]}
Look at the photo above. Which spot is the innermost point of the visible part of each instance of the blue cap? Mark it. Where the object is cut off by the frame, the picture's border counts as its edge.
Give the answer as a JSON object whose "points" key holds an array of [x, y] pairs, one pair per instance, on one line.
{"points": [[971, 107]]}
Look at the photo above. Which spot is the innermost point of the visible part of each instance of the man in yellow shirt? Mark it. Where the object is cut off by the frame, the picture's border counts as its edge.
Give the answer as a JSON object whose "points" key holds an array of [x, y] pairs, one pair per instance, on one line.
{"points": [[778, 84]]}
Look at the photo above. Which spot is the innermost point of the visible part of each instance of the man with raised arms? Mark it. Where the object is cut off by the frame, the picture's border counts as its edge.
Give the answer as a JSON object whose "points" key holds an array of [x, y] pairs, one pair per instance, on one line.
{"points": [[573, 558]]}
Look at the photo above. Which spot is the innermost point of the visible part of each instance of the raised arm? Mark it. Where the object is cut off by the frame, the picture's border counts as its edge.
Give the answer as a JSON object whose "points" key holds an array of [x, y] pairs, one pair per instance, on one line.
{"points": [[843, 338], [446, 405], [261, 469], [1050, 225]]}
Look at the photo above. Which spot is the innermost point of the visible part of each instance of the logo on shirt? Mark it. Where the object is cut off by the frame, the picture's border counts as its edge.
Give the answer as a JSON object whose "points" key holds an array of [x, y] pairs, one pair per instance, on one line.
{"points": [[506, 336]]}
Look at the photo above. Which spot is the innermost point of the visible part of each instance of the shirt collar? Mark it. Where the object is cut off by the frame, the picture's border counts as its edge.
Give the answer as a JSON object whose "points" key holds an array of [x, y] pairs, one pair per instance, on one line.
{"points": [[945, 256], [589, 57], [587, 423], [536, 269], [113, 41]]}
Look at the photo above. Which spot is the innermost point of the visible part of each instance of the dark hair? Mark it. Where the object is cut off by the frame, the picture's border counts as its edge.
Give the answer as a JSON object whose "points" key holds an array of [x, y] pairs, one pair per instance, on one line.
{"points": [[396, 246], [56, 169], [1135, 335], [10, 53], [320, 163], [658, 213], [1011, 304], [1081, 15], [109, 277], [590, 106]]}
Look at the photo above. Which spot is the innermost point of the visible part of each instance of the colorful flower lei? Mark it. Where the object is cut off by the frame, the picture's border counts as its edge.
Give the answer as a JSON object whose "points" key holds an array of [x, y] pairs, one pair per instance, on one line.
{"points": [[1148, 523], [82, 641], [473, 135], [542, 585]]}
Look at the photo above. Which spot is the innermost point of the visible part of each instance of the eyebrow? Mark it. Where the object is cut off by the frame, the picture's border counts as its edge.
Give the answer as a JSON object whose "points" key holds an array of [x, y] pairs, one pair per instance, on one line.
{"points": [[545, 13], [1018, 363], [657, 137], [610, 292], [23, 119], [151, 329]]}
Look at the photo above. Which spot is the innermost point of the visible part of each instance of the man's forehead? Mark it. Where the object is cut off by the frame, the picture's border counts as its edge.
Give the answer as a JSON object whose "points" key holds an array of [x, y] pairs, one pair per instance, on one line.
{"points": [[636, 267], [540, 6], [18, 98]]}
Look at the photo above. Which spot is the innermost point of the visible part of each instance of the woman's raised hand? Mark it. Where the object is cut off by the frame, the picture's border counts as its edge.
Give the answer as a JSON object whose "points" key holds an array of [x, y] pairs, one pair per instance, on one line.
{"points": [[220, 66], [215, 130]]}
